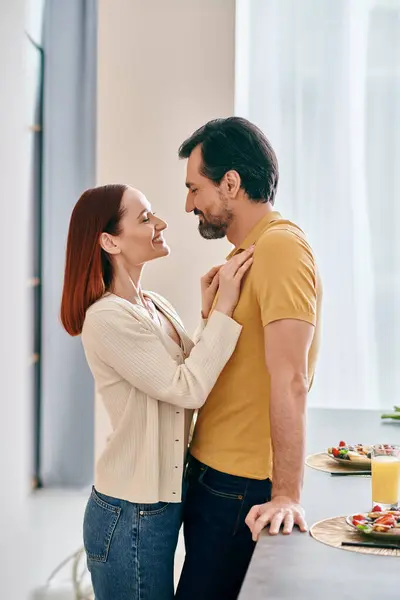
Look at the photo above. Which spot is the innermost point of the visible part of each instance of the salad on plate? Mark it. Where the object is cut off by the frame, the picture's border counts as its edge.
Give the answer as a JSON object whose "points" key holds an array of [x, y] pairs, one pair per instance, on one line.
{"points": [[378, 522], [352, 454]]}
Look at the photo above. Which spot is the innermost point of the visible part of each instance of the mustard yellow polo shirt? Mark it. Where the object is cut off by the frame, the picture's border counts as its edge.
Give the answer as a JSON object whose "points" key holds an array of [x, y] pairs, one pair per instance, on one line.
{"points": [[232, 432]]}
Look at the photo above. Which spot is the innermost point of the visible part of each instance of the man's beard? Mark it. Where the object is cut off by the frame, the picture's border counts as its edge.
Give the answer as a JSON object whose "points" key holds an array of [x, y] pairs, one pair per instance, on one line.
{"points": [[214, 227]]}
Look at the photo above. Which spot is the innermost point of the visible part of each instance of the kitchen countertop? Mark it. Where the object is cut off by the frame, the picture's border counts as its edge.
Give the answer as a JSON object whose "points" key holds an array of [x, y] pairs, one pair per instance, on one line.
{"points": [[297, 567]]}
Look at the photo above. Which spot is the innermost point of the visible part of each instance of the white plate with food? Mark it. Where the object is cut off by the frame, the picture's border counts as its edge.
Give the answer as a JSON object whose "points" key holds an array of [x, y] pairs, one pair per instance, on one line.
{"points": [[351, 455], [377, 524]]}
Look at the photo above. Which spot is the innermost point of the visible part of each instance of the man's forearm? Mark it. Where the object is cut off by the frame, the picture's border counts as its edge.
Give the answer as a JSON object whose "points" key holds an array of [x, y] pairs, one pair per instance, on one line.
{"points": [[288, 432]]}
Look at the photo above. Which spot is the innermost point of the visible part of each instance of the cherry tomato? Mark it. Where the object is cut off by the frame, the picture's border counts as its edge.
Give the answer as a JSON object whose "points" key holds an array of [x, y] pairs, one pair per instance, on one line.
{"points": [[335, 452], [358, 519], [377, 509], [342, 444], [386, 520]]}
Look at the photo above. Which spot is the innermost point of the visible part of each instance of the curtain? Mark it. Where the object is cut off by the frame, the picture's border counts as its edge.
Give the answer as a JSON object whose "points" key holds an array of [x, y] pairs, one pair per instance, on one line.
{"points": [[322, 79], [35, 69], [69, 41]]}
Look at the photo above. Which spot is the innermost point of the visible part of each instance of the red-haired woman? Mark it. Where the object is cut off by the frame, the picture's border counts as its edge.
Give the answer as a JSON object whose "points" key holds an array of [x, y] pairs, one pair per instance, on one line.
{"points": [[150, 377]]}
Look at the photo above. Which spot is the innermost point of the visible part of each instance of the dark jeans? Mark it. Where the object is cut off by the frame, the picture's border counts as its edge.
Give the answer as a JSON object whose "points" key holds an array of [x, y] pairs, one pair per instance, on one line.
{"points": [[218, 542], [130, 548]]}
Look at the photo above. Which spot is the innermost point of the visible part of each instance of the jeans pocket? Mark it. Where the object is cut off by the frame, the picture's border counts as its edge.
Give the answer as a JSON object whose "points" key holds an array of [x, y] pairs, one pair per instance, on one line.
{"points": [[222, 484], [99, 525], [150, 510]]}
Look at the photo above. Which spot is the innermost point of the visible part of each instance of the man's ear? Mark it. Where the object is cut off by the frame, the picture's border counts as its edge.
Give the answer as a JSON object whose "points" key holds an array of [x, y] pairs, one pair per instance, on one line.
{"points": [[232, 183], [108, 244]]}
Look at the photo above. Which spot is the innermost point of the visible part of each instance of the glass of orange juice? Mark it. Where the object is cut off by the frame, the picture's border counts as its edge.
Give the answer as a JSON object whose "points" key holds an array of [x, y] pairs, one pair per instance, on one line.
{"points": [[385, 476]]}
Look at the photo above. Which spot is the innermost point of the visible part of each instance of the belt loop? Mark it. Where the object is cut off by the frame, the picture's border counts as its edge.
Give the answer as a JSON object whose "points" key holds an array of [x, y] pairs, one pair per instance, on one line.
{"points": [[202, 472], [185, 469]]}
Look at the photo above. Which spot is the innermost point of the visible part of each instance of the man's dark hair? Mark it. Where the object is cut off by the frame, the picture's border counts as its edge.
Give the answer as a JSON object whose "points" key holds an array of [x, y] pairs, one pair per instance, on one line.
{"points": [[238, 145]]}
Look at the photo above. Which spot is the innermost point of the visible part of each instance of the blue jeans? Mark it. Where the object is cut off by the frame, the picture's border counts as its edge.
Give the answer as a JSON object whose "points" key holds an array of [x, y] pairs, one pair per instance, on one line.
{"points": [[130, 548], [218, 543]]}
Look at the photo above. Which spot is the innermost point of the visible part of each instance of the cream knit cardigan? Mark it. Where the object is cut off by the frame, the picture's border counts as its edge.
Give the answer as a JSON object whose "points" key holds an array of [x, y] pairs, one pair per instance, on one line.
{"points": [[150, 386]]}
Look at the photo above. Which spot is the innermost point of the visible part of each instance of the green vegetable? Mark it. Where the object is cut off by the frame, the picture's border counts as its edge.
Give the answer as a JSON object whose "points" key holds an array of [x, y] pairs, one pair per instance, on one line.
{"points": [[364, 527], [395, 415]]}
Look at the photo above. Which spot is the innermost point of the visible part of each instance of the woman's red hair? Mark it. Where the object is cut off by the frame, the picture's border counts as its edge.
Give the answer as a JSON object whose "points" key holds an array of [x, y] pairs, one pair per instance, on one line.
{"points": [[88, 268]]}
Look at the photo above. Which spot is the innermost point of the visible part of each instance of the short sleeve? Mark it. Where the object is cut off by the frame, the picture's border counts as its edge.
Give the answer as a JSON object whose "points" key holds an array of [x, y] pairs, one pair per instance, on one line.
{"points": [[284, 277]]}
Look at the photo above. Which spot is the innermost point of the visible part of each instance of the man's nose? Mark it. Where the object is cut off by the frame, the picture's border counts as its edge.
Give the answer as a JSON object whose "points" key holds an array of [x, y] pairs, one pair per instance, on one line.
{"points": [[189, 207]]}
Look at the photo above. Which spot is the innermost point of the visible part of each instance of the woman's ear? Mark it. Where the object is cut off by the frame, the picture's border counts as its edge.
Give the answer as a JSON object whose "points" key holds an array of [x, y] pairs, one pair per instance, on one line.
{"points": [[108, 244]]}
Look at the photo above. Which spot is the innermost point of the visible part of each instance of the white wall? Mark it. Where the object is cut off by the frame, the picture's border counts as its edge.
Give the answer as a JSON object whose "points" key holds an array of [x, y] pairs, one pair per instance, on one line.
{"points": [[14, 307], [164, 69]]}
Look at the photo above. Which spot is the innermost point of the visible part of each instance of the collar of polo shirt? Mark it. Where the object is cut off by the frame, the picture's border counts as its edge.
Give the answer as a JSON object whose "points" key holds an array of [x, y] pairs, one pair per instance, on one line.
{"points": [[255, 233]]}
